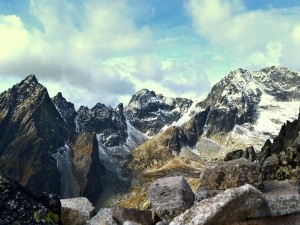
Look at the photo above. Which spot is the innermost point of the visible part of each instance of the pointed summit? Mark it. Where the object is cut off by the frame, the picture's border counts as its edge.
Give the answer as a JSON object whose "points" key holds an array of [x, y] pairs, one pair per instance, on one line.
{"points": [[66, 109]]}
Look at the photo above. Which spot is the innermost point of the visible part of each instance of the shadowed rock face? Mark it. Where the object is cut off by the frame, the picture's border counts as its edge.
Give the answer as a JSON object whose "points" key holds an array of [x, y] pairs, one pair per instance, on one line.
{"points": [[39, 146], [87, 168], [31, 131]]}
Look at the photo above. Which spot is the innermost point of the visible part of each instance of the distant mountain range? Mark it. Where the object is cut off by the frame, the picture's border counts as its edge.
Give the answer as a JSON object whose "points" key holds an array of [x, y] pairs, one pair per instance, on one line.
{"points": [[47, 145]]}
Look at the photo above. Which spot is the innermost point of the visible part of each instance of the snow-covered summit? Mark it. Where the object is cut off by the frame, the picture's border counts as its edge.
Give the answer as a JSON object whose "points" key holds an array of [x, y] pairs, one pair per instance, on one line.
{"points": [[149, 112]]}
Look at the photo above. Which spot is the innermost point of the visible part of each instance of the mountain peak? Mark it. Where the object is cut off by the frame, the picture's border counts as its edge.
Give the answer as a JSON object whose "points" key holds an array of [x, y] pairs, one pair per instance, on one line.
{"points": [[31, 78]]}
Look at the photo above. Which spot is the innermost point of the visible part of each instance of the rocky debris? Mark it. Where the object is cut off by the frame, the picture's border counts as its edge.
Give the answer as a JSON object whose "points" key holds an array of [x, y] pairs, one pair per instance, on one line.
{"points": [[231, 174], [121, 215], [149, 112], [103, 217], [170, 197], [76, 211], [280, 198], [19, 205], [248, 153], [202, 193], [232, 205]]}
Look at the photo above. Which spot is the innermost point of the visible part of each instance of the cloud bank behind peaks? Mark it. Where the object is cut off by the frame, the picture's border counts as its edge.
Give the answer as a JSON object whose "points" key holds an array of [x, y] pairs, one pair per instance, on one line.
{"points": [[69, 42], [258, 37]]}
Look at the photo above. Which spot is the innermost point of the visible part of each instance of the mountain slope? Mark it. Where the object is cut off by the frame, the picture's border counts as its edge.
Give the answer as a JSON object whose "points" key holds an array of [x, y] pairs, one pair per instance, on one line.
{"points": [[31, 130]]}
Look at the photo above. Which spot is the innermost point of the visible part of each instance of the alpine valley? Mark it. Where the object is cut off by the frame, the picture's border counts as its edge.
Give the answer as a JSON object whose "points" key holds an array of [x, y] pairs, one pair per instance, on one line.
{"points": [[111, 155]]}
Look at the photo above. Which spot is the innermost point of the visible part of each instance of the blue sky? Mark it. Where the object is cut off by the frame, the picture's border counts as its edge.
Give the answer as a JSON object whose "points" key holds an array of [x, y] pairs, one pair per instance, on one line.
{"points": [[104, 51]]}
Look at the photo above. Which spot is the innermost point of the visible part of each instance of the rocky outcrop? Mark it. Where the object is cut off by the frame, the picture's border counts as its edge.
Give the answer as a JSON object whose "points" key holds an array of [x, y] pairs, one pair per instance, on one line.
{"points": [[87, 168], [225, 208], [66, 110], [280, 159], [76, 211], [31, 131], [248, 153], [19, 205], [231, 174], [149, 112], [108, 122], [170, 197]]}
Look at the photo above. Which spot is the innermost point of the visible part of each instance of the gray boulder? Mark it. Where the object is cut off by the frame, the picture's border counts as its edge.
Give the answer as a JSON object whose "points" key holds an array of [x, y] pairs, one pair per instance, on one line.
{"points": [[170, 197], [103, 217], [232, 205], [281, 198], [202, 193], [231, 174], [76, 211], [133, 216]]}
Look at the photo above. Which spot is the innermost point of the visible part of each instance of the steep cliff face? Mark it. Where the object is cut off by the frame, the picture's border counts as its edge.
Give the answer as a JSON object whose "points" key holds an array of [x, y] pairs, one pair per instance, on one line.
{"points": [[31, 131], [149, 112], [87, 168]]}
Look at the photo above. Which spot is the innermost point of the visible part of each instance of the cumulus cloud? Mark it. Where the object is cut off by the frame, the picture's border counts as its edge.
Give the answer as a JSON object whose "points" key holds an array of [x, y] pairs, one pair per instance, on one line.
{"points": [[254, 38], [70, 43]]}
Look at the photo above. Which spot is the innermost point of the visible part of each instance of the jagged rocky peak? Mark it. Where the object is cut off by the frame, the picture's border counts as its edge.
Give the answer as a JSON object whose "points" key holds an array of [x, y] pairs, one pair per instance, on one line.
{"points": [[149, 112], [104, 120], [66, 109], [31, 130]]}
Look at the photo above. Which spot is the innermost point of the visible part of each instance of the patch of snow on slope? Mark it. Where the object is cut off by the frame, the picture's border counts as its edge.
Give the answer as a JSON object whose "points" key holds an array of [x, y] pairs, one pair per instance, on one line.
{"points": [[114, 158], [68, 183], [192, 111]]}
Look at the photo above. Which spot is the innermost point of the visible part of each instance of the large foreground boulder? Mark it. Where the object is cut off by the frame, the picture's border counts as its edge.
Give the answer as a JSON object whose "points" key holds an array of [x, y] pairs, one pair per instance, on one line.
{"points": [[281, 198], [76, 211], [231, 174], [170, 197], [232, 205], [19, 205]]}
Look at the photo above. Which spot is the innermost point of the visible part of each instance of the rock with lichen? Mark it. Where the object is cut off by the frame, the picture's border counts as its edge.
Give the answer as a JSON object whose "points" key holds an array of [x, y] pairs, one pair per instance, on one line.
{"points": [[19, 205], [170, 197], [231, 174]]}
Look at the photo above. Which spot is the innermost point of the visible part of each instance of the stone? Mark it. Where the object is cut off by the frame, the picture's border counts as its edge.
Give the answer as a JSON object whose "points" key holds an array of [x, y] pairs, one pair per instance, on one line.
{"points": [[281, 198], [131, 223], [121, 215], [203, 193], [232, 205], [279, 220], [170, 197], [269, 167], [103, 217], [19, 205], [231, 174], [76, 211], [237, 154]]}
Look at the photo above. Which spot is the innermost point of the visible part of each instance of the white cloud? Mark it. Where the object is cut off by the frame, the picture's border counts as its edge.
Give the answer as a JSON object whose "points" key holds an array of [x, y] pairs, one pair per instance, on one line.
{"points": [[253, 38], [70, 46]]}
